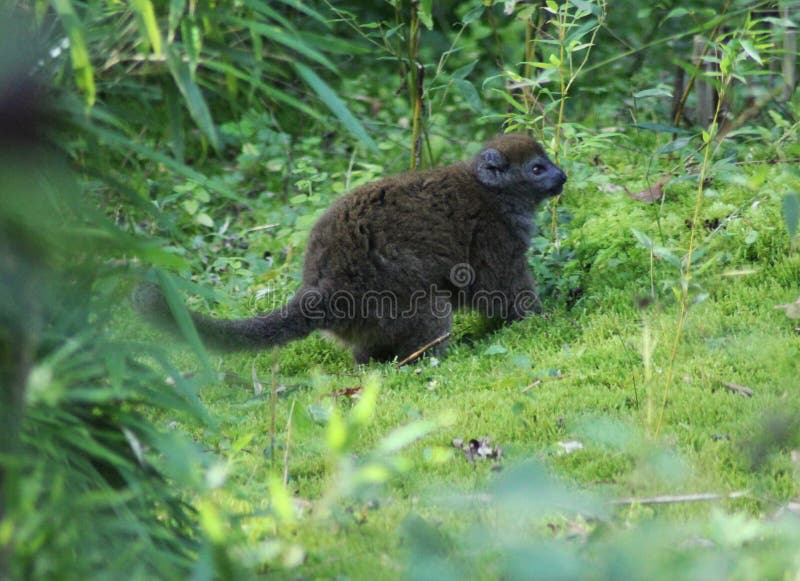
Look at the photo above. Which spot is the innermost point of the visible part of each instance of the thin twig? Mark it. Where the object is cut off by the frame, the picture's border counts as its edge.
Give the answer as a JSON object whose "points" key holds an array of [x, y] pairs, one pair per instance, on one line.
{"points": [[740, 389], [264, 227], [416, 354], [531, 386], [416, 132], [680, 498]]}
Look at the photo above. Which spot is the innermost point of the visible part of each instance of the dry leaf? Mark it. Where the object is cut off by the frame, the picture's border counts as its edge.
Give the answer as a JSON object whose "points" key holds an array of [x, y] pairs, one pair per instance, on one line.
{"points": [[740, 389], [651, 194], [352, 392]]}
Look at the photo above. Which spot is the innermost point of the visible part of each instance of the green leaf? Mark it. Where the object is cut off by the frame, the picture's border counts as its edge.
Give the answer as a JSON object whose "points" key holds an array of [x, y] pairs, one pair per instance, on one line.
{"points": [[424, 13], [659, 92], [303, 7], [791, 212], [526, 13], [365, 408], [281, 500], [675, 145], [586, 6], [336, 434], [79, 54], [268, 90], [751, 50], [405, 435], [667, 256], [146, 16], [176, 10], [470, 95], [288, 39], [191, 206], [183, 319], [192, 39], [204, 220], [661, 128], [335, 104], [463, 72], [495, 350], [676, 13], [473, 15], [195, 101], [642, 238], [319, 414]]}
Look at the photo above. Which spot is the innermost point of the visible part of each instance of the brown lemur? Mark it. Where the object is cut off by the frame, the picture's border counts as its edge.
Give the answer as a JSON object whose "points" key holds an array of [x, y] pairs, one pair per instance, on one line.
{"points": [[386, 264]]}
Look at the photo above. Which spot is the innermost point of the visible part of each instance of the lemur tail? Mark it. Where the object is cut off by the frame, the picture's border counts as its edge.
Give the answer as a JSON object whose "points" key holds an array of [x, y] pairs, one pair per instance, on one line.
{"points": [[293, 321]]}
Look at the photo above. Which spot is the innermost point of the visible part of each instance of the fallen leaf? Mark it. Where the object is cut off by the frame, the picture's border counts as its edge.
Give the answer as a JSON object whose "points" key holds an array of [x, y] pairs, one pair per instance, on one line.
{"points": [[651, 194], [740, 389], [352, 392]]}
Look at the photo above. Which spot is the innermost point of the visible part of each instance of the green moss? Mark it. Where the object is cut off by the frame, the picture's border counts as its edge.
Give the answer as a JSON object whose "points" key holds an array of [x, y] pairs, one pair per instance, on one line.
{"points": [[577, 373]]}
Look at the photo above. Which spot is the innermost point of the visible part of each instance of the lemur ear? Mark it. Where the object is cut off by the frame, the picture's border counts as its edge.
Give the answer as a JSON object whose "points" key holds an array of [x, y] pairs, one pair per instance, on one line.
{"points": [[490, 166]]}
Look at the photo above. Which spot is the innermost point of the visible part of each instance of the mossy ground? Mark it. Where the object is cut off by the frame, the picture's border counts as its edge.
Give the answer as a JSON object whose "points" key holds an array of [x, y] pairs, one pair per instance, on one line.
{"points": [[581, 372]]}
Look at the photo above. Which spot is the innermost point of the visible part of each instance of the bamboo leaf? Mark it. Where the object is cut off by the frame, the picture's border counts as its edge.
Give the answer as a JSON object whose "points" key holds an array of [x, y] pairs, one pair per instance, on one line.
{"points": [[79, 54], [302, 7], [280, 36], [405, 435], [195, 101], [335, 104], [146, 16], [424, 13], [268, 90], [661, 128], [183, 319], [176, 10], [657, 92], [589, 7], [751, 50]]}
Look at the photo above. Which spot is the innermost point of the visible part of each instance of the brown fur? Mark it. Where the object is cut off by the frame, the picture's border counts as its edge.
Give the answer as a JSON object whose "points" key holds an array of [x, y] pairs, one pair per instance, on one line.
{"points": [[386, 264]]}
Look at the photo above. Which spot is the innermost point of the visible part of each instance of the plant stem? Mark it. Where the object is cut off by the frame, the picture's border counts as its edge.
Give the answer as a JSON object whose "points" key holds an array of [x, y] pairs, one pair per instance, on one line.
{"points": [[687, 274], [416, 76]]}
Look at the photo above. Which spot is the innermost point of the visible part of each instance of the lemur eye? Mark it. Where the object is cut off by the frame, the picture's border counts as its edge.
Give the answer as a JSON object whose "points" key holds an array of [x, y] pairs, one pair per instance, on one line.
{"points": [[537, 169]]}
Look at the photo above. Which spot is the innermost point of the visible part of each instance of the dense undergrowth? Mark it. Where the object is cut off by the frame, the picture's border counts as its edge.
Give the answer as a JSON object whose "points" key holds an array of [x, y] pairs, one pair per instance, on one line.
{"points": [[644, 426]]}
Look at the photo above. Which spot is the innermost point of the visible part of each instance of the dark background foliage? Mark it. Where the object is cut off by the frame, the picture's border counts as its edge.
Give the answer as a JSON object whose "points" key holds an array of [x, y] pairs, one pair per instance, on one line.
{"points": [[195, 143]]}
